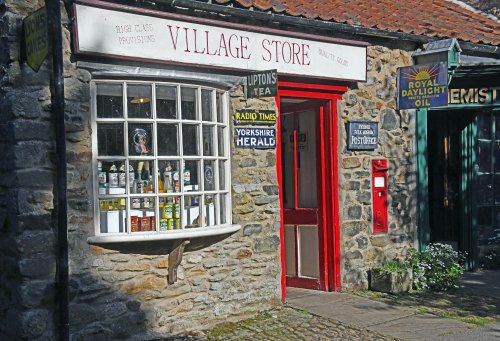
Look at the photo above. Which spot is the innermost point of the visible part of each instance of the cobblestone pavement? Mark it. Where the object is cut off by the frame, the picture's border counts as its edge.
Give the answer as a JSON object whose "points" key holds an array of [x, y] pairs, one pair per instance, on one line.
{"points": [[291, 324]]}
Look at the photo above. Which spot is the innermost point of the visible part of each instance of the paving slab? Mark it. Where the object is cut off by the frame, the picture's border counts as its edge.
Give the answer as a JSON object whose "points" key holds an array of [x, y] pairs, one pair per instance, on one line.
{"points": [[360, 312]]}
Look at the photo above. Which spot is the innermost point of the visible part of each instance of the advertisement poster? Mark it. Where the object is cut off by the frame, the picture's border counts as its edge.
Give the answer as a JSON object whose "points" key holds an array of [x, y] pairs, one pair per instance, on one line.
{"points": [[423, 86]]}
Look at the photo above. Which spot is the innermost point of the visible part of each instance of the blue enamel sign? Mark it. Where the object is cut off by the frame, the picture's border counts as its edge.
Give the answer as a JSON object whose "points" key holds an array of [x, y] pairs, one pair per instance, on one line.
{"points": [[423, 86], [259, 138]]}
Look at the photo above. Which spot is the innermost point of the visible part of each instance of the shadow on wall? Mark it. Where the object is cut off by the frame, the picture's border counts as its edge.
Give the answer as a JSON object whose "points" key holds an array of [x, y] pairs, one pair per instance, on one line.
{"points": [[101, 310]]}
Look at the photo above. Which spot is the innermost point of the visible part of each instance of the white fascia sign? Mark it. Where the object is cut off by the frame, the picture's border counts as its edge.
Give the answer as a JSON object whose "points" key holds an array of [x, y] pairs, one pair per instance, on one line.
{"points": [[129, 35]]}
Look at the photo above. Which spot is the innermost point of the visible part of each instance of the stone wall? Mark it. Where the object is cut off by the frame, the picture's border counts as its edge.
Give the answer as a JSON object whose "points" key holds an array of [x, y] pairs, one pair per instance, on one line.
{"points": [[375, 101], [27, 228], [118, 291]]}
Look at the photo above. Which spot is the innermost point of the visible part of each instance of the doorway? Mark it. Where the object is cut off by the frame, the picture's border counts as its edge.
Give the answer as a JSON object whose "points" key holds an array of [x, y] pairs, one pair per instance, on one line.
{"points": [[307, 162]]}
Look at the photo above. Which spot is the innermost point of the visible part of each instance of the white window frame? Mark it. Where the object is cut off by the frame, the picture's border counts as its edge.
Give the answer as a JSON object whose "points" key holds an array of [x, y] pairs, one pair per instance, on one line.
{"points": [[204, 230]]}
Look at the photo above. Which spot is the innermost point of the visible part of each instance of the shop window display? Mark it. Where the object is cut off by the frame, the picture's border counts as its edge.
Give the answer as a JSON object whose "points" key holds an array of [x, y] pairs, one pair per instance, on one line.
{"points": [[161, 160]]}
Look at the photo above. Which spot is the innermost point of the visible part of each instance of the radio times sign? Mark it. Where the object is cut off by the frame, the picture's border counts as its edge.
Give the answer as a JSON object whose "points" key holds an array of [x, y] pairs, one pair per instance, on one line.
{"points": [[423, 86]]}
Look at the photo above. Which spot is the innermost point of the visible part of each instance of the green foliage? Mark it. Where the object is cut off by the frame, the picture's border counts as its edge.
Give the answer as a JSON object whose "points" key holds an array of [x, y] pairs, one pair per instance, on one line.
{"points": [[491, 260], [436, 268], [392, 266]]}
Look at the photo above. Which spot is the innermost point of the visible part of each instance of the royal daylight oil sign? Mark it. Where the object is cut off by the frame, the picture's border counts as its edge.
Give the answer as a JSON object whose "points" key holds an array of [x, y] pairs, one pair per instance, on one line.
{"points": [[423, 86]]}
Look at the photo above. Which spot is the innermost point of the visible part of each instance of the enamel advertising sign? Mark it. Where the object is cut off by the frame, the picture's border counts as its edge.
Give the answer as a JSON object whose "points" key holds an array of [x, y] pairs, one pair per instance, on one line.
{"points": [[423, 86], [161, 37]]}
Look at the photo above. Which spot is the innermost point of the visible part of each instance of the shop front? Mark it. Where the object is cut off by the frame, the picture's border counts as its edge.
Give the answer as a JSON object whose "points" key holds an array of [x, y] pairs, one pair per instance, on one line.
{"points": [[460, 142]]}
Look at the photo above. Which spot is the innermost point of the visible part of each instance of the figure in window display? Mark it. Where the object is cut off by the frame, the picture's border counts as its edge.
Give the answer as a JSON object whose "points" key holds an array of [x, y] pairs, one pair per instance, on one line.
{"points": [[140, 138]]}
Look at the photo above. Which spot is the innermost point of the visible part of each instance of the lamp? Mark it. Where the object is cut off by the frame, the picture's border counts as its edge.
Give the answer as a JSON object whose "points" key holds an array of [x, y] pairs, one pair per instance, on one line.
{"points": [[140, 100], [446, 50]]}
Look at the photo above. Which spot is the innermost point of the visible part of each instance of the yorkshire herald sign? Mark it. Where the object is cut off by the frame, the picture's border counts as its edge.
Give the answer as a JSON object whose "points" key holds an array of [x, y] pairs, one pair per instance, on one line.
{"points": [[423, 86], [158, 38]]}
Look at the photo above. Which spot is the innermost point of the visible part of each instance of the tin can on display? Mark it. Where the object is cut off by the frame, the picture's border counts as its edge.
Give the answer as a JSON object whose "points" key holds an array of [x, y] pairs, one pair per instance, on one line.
{"points": [[167, 211], [170, 224], [152, 224], [163, 224], [176, 210], [145, 224], [134, 223], [176, 224]]}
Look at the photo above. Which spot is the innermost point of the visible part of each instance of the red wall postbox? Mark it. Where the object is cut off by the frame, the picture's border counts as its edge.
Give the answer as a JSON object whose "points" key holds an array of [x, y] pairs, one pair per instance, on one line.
{"points": [[379, 195]]}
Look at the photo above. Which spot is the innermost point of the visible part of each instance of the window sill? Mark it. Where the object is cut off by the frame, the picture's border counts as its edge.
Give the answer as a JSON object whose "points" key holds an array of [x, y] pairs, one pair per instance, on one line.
{"points": [[170, 235]]}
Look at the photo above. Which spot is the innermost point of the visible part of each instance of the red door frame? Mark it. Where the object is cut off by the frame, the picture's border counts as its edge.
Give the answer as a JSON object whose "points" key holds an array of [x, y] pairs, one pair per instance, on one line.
{"points": [[330, 269]]}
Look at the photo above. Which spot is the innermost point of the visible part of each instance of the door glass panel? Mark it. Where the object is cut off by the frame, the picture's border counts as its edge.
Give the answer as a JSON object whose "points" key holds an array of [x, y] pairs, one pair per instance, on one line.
{"points": [[484, 156], [484, 127], [308, 251], [306, 147], [287, 160], [484, 189], [290, 260]]}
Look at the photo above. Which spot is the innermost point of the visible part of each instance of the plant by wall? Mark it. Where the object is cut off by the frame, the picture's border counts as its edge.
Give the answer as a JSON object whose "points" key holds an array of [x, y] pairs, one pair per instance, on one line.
{"points": [[438, 267]]}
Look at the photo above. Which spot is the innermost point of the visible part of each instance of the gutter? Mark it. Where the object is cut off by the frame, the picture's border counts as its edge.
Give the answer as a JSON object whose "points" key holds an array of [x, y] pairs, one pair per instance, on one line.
{"points": [[57, 94], [310, 23]]}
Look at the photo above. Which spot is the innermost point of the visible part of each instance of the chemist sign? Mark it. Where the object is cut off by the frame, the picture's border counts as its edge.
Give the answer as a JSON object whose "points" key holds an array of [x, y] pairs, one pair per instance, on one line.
{"points": [[259, 138], [36, 38], [262, 84], [362, 135], [423, 86]]}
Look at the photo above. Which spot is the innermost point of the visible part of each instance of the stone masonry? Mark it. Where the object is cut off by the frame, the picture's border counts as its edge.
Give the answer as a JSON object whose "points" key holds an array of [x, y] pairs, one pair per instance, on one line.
{"points": [[27, 228], [375, 101]]}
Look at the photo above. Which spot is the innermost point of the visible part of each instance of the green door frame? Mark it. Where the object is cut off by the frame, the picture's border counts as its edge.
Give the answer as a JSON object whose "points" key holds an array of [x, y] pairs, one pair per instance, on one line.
{"points": [[424, 235]]}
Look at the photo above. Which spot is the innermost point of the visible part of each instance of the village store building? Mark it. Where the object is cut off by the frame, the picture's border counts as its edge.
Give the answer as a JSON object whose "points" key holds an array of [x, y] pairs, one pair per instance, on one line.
{"points": [[189, 201]]}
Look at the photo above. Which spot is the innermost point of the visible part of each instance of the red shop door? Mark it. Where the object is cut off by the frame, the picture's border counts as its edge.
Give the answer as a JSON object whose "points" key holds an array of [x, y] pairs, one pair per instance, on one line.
{"points": [[307, 153]]}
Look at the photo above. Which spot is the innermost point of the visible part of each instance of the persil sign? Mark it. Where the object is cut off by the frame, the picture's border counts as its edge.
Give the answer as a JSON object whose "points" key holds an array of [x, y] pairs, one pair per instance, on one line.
{"points": [[156, 37]]}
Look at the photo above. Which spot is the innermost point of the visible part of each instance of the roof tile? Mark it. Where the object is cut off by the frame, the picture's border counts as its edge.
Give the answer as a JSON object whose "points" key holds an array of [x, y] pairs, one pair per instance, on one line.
{"points": [[433, 18]]}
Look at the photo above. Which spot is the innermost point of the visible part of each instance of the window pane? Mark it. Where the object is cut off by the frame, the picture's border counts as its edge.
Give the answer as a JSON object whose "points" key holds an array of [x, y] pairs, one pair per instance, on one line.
{"points": [[497, 189], [140, 139], [484, 156], [143, 173], [190, 139], [223, 209], [139, 101], [166, 102], [209, 210], [220, 107], [496, 151], [191, 214], [109, 100], [191, 175], [110, 139], [167, 140], [206, 105], [142, 214], [222, 175], [113, 215], [497, 127], [221, 139], [188, 103], [208, 175], [484, 127], [169, 171], [484, 189], [208, 140], [112, 177]]}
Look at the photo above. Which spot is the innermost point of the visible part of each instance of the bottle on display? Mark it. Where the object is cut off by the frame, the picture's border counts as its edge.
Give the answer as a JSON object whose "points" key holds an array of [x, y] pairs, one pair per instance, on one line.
{"points": [[167, 179], [186, 174], [161, 189], [131, 177], [122, 181], [113, 176], [102, 178], [149, 186]]}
